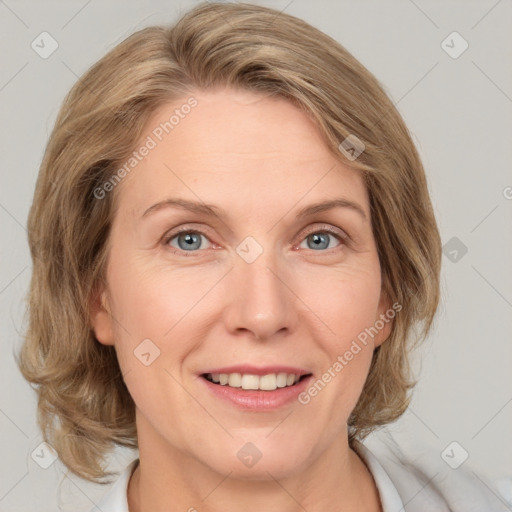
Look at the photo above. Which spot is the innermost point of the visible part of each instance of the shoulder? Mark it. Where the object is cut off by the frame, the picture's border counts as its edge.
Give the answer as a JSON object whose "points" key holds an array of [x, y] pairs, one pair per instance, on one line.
{"points": [[425, 483]]}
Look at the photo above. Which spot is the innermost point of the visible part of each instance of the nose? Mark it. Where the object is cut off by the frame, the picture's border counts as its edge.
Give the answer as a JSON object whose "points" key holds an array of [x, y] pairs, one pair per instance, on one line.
{"points": [[260, 300]]}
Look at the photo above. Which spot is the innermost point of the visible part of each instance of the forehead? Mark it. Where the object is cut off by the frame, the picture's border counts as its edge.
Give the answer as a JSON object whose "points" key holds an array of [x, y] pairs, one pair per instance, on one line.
{"points": [[238, 121], [241, 146]]}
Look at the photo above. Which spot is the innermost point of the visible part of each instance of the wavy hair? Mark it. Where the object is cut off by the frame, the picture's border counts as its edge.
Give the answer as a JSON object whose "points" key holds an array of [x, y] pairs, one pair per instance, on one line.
{"points": [[84, 408]]}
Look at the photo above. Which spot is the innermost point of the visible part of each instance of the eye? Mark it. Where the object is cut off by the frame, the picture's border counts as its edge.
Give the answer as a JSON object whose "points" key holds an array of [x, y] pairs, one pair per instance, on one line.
{"points": [[189, 241], [320, 240]]}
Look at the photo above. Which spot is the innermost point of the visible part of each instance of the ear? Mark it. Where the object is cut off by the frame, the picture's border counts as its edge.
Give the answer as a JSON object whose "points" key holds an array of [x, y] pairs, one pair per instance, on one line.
{"points": [[384, 320], [100, 316]]}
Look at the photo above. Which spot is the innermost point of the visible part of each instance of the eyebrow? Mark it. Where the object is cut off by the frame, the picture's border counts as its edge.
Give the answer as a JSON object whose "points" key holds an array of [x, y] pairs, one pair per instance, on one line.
{"points": [[214, 211]]}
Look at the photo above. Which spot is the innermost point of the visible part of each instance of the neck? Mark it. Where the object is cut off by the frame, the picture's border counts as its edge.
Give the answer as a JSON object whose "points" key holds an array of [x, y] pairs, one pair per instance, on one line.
{"points": [[168, 479]]}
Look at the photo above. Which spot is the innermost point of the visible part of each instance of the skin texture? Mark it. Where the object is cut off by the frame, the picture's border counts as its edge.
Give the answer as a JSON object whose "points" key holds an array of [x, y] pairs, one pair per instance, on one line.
{"points": [[260, 160]]}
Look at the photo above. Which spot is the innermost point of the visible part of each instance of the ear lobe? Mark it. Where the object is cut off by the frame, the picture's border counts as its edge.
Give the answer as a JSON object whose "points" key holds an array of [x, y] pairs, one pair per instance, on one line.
{"points": [[383, 333], [101, 318], [384, 322]]}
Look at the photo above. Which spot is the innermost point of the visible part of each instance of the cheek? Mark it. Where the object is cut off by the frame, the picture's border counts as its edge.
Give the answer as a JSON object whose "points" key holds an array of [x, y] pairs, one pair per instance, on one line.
{"points": [[162, 305], [346, 302], [348, 306], [147, 301], [153, 333]]}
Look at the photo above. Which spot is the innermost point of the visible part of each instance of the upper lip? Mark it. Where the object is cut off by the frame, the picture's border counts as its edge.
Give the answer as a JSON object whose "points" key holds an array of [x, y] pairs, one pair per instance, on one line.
{"points": [[258, 370]]}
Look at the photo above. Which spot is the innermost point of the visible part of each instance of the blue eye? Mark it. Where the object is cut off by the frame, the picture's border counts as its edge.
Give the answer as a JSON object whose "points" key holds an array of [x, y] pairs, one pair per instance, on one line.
{"points": [[320, 240], [187, 240], [190, 241]]}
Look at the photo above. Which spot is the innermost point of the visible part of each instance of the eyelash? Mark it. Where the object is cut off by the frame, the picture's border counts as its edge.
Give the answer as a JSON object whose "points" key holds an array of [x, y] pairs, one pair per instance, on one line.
{"points": [[343, 238]]}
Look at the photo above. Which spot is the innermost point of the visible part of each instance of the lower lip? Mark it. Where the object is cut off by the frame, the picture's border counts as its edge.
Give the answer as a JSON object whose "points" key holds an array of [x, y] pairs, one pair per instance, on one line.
{"points": [[257, 400]]}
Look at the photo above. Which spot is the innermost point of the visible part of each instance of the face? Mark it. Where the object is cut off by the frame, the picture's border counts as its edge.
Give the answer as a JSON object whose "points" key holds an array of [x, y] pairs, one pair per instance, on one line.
{"points": [[225, 267]]}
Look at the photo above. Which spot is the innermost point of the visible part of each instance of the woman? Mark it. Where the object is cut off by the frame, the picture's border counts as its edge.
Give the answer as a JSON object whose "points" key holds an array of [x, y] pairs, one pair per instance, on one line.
{"points": [[232, 240]]}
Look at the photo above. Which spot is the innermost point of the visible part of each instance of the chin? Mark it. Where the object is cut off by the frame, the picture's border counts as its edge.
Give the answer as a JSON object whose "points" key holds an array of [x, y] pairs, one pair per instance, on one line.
{"points": [[260, 459], [264, 470]]}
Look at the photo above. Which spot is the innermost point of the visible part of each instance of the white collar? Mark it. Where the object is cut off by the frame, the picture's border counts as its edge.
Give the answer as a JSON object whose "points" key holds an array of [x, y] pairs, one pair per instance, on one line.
{"points": [[389, 497], [116, 499]]}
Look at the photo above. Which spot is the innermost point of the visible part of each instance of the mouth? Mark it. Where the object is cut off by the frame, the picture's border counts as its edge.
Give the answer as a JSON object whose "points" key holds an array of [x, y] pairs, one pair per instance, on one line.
{"points": [[248, 381], [256, 389]]}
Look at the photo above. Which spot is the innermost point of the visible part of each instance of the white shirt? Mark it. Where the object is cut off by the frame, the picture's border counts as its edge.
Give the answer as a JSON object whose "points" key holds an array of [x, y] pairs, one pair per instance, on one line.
{"points": [[401, 486]]}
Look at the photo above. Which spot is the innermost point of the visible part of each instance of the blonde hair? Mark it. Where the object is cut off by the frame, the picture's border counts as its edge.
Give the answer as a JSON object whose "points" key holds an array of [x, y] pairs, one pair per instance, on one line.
{"points": [[84, 407]]}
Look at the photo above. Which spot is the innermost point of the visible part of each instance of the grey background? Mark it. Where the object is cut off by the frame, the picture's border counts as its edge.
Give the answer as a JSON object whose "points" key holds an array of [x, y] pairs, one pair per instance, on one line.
{"points": [[459, 112]]}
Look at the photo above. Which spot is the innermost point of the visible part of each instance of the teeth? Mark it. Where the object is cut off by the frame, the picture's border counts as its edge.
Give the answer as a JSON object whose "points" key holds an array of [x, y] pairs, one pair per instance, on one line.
{"points": [[250, 382], [235, 380], [281, 380], [268, 382]]}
